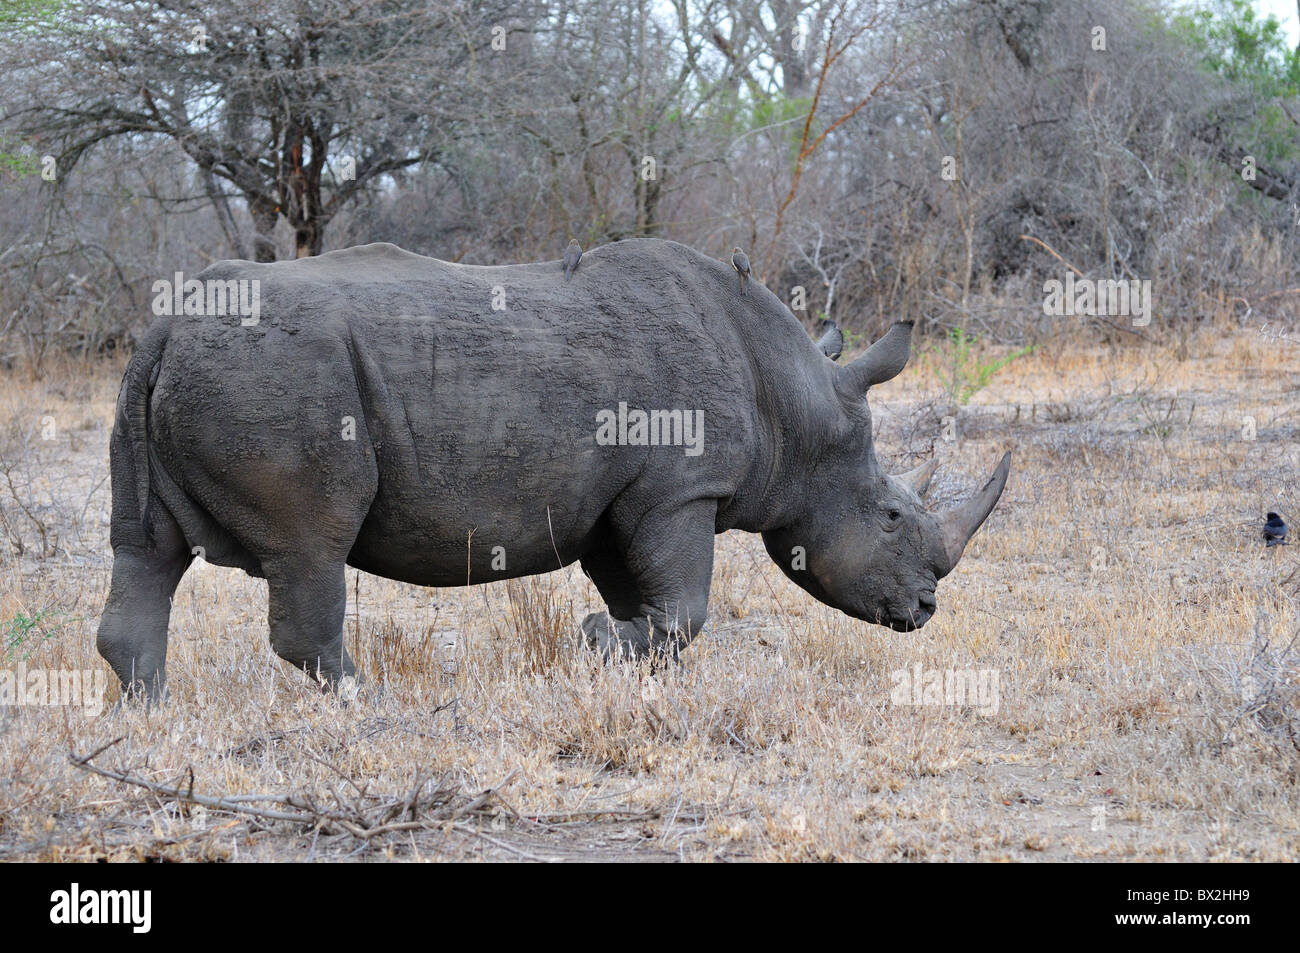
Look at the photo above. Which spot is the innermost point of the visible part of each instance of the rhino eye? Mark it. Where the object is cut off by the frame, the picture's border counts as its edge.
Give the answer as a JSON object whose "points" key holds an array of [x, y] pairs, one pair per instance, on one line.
{"points": [[894, 515]]}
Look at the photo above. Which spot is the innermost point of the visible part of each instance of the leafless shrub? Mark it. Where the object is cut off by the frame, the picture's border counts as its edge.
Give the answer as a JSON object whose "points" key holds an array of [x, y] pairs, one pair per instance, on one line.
{"points": [[1267, 680], [22, 515], [1251, 694]]}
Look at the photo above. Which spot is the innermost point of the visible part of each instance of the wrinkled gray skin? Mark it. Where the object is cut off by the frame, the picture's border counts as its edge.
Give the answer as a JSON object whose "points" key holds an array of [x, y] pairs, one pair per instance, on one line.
{"points": [[475, 429]]}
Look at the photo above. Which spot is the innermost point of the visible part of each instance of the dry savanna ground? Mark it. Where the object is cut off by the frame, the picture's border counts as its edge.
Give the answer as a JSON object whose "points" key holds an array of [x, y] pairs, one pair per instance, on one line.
{"points": [[1138, 630]]}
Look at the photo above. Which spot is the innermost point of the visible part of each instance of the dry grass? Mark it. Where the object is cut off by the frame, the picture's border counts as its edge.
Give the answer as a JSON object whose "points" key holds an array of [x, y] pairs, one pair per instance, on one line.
{"points": [[1140, 632]]}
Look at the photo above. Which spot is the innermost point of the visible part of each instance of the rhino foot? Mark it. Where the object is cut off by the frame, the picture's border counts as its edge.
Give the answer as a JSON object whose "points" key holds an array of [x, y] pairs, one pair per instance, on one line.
{"points": [[616, 640], [135, 695], [632, 640]]}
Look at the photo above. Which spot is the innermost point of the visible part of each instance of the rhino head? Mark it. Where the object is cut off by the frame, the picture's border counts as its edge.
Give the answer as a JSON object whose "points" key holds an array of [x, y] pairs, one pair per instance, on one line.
{"points": [[864, 542]]}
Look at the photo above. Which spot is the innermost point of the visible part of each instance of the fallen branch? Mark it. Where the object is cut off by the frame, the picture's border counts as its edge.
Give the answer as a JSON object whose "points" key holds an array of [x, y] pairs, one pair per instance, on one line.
{"points": [[361, 823]]}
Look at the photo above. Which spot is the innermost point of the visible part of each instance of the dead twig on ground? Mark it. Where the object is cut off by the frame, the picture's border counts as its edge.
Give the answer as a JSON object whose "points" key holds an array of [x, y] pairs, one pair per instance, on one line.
{"points": [[363, 823]]}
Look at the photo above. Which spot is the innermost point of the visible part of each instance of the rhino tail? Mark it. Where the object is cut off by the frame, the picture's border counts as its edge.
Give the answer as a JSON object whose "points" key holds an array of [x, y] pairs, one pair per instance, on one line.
{"points": [[137, 389]]}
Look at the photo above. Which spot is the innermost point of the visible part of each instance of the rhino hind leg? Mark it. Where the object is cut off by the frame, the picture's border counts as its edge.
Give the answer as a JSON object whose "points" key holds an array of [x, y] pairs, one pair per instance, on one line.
{"points": [[308, 598], [669, 563], [132, 635]]}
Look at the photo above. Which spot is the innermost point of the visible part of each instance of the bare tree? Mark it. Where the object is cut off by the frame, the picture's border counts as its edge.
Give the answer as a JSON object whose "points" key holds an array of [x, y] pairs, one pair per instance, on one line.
{"points": [[297, 106]]}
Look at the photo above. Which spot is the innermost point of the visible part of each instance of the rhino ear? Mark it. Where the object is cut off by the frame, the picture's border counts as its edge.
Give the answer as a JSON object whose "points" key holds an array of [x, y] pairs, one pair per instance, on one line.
{"points": [[884, 359], [831, 342]]}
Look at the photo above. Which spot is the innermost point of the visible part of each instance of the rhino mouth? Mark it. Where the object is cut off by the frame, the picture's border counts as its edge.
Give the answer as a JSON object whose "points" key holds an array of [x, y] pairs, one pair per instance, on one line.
{"points": [[907, 620], [900, 620], [909, 623]]}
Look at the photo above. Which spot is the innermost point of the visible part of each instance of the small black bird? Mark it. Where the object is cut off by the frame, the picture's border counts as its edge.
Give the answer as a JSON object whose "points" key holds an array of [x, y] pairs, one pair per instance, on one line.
{"points": [[572, 255], [740, 261], [1274, 531]]}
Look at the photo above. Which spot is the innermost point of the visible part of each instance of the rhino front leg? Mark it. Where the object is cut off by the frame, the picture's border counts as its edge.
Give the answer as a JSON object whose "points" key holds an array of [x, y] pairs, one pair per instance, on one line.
{"points": [[607, 568], [306, 608], [670, 557]]}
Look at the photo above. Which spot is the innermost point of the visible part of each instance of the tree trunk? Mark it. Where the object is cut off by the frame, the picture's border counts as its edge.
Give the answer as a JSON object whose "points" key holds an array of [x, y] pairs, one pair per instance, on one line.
{"points": [[794, 71], [300, 200], [265, 215], [221, 206]]}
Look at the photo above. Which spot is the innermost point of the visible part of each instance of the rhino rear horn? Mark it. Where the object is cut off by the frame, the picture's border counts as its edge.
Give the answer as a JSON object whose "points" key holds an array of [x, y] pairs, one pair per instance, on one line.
{"points": [[831, 343], [883, 360], [918, 479], [958, 525]]}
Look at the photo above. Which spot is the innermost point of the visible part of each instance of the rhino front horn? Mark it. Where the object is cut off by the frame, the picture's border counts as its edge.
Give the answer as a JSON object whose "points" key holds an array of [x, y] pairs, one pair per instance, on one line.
{"points": [[958, 525]]}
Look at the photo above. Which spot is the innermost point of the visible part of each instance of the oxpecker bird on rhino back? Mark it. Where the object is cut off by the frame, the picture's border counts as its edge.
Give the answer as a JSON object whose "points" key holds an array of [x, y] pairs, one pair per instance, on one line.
{"points": [[446, 424]]}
